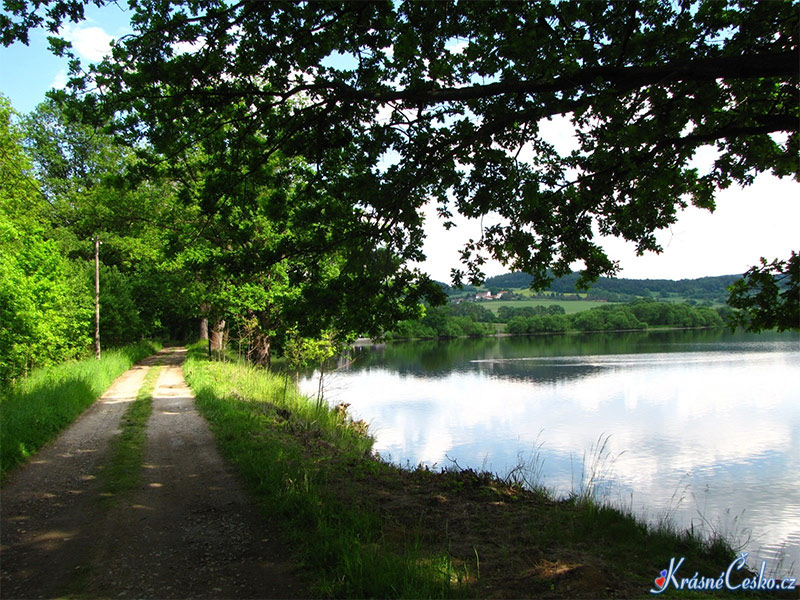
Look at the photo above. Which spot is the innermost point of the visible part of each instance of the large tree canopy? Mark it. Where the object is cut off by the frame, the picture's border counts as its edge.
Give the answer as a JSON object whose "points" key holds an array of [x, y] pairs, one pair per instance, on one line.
{"points": [[396, 104], [82, 176]]}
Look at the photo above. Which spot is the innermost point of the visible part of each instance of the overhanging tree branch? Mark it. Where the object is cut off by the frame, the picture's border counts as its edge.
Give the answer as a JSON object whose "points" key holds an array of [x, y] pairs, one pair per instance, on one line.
{"points": [[777, 64]]}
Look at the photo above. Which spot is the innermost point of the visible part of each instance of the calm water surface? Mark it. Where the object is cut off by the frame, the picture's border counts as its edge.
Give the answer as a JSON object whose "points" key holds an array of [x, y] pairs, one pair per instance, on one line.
{"points": [[702, 427]]}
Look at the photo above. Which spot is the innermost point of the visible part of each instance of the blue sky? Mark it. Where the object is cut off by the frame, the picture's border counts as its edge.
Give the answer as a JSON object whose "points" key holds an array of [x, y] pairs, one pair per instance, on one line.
{"points": [[761, 220], [28, 72]]}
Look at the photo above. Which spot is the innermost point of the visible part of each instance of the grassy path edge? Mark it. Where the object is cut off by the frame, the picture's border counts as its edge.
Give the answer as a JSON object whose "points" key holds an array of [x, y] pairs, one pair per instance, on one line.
{"points": [[260, 425], [37, 409]]}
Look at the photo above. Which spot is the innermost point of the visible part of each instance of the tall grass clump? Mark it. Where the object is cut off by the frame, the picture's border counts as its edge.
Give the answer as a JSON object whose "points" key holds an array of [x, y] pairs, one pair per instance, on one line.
{"points": [[621, 532], [588, 517], [292, 452], [35, 409]]}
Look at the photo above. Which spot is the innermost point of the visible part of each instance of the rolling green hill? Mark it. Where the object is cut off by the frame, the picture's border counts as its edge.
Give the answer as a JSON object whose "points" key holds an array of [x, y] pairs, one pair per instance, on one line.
{"points": [[703, 289]]}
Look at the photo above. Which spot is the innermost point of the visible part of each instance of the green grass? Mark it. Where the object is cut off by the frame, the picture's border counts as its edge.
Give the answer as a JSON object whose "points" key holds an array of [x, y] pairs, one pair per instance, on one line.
{"points": [[293, 453], [570, 306], [124, 471], [37, 408]]}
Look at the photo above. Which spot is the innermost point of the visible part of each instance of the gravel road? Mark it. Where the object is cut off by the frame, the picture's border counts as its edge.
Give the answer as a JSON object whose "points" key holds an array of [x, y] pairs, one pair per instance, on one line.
{"points": [[189, 532]]}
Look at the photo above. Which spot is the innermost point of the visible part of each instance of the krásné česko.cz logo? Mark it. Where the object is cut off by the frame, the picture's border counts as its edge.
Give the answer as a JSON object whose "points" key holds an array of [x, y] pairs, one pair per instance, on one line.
{"points": [[669, 578]]}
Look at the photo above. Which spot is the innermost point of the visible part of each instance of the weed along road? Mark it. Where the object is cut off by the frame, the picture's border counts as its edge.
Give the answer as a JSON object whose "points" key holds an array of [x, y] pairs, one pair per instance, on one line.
{"points": [[186, 529]]}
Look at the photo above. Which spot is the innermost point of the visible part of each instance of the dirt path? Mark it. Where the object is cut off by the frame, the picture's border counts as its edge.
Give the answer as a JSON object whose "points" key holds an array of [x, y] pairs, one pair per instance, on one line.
{"points": [[48, 508], [189, 532]]}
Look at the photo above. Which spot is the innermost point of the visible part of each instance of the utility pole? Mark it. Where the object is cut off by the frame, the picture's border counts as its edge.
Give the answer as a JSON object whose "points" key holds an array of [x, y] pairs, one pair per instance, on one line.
{"points": [[97, 296]]}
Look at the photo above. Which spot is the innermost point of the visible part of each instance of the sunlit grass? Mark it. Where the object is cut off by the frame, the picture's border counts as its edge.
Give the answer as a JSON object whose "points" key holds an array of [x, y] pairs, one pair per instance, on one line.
{"points": [[37, 408]]}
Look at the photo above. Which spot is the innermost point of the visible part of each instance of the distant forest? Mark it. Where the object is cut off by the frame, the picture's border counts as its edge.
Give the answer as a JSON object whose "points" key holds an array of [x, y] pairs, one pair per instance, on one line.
{"points": [[712, 289]]}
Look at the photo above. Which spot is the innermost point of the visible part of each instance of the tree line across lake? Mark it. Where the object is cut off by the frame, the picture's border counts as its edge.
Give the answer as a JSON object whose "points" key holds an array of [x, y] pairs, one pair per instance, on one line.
{"points": [[471, 319]]}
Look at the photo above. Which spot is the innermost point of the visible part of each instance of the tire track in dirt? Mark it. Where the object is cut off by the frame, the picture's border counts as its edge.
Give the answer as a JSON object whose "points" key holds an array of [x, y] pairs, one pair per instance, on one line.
{"points": [[190, 531], [49, 507]]}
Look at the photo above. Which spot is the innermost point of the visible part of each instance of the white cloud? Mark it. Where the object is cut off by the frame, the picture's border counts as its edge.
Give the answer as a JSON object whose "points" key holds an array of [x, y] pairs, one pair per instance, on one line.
{"points": [[442, 246], [189, 47], [637, 398], [60, 80], [559, 131], [748, 223], [760, 220], [91, 43]]}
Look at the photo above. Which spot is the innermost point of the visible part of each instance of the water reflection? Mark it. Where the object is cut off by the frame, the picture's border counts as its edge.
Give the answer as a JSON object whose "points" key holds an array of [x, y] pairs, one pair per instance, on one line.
{"points": [[704, 426]]}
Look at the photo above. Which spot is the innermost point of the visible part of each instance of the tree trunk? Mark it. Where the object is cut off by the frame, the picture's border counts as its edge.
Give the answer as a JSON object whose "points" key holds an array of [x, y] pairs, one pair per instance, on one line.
{"points": [[261, 350], [204, 309], [216, 342], [97, 296], [204, 328]]}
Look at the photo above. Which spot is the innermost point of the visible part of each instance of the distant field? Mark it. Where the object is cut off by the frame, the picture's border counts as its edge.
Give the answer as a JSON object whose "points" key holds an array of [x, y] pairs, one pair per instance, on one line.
{"points": [[570, 306]]}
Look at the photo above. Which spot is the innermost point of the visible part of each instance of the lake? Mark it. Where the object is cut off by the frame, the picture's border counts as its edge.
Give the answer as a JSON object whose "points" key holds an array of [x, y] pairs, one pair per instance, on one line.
{"points": [[699, 427]]}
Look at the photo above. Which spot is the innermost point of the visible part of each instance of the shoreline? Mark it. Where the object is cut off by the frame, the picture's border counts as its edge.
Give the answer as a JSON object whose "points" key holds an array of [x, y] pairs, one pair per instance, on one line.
{"points": [[362, 342], [368, 528]]}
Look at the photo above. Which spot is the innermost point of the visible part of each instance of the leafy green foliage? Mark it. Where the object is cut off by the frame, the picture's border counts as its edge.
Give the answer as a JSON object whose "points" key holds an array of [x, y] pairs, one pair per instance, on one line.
{"points": [[74, 164], [82, 173], [271, 254], [643, 84], [300, 352], [321, 130], [120, 321], [44, 309], [475, 311], [613, 317], [538, 324], [768, 296], [445, 322], [675, 314], [505, 313]]}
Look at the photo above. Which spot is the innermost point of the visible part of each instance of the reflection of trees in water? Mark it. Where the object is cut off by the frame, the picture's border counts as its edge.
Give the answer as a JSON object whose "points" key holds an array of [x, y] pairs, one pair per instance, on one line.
{"points": [[430, 357], [528, 371], [433, 357], [499, 356]]}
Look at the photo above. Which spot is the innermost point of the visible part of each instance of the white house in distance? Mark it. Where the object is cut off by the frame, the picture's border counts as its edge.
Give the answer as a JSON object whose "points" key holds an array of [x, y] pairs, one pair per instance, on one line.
{"points": [[488, 296]]}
